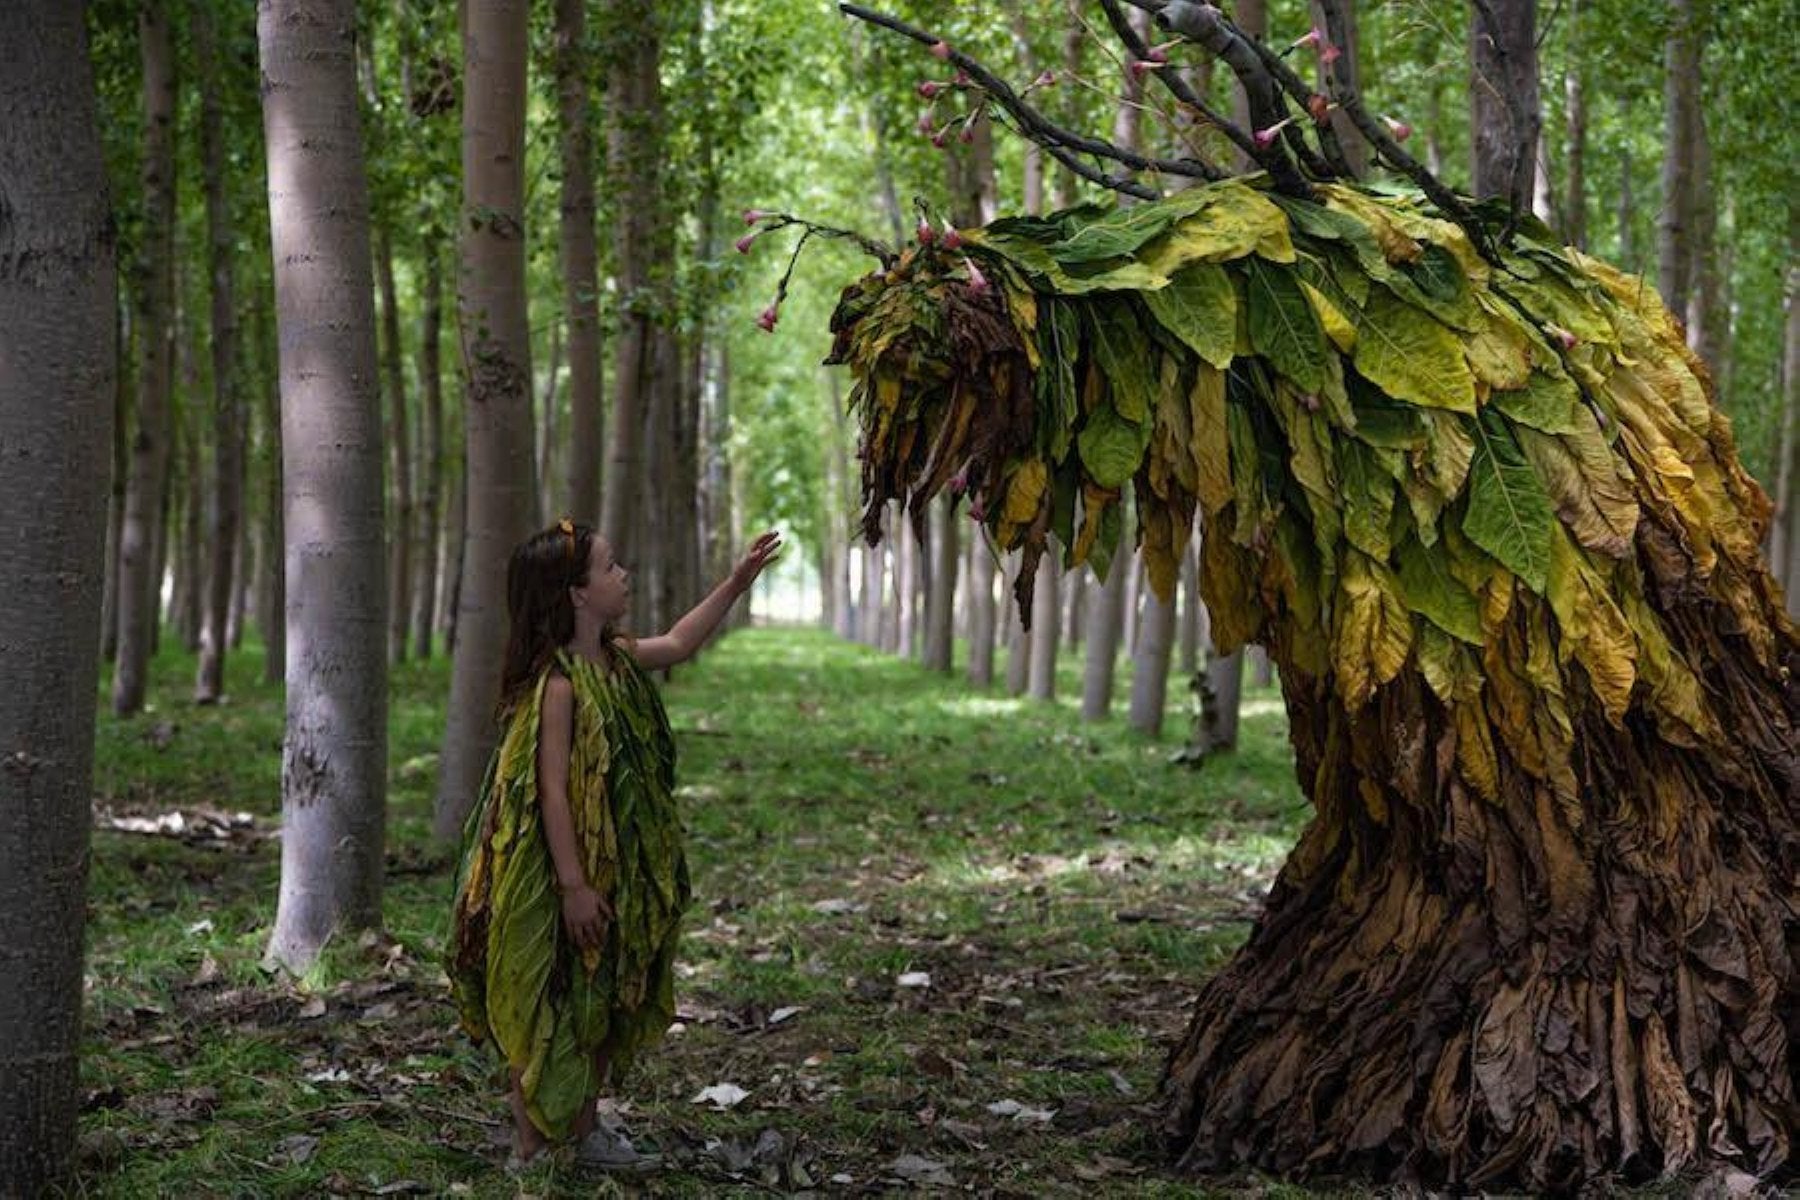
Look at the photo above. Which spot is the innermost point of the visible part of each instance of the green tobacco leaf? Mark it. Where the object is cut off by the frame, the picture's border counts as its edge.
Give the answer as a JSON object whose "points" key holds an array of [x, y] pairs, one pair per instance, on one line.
{"points": [[1200, 307], [1283, 327], [1116, 235], [1124, 355], [1435, 594], [1112, 446], [1058, 400], [1411, 357], [1367, 499], [1509, 514], [1550, 403]]}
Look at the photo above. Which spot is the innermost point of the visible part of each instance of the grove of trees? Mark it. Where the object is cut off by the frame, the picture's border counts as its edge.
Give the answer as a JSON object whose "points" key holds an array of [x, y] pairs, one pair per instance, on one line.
{"points": [[257, 425]]}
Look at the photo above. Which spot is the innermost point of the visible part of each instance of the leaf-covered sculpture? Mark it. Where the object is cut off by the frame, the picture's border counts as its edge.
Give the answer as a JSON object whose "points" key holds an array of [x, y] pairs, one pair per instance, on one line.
{"points": [[1541, 688]]}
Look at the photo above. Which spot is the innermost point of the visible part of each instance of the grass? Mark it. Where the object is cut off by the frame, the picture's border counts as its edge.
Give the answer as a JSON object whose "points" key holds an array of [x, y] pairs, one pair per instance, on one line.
{"points": [[853, 820]]}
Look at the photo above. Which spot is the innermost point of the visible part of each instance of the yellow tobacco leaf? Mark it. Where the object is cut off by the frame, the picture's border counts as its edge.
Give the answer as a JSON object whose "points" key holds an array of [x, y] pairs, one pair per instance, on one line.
{"points": [[1227, 588], [1475, 759], [1164, 536], [1582, 477], [1337, 326], [1025, 492], [1374, 629], [1396, 245], [1594, 631], [1499, 353]]}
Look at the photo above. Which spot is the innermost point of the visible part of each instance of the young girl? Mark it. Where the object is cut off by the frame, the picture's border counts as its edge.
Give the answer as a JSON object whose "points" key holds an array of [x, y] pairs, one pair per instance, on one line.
{"points": [[573, 878]]}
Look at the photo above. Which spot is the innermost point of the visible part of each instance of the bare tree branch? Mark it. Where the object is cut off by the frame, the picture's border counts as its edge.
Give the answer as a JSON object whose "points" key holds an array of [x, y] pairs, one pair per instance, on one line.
{"points": [[1177, 86], [1063, 143]]}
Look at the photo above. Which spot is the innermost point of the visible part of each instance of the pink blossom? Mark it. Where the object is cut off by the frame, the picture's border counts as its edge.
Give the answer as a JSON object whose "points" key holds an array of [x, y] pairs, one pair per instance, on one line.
{"points": [[744, 243], [1399, 129], [1312, 37], [1161, 53], [925, 125], [766, 320], [1139, 66], [1329, 54], [977, 511], [968, 134], [927, 234], [959, 482], [939, 138], [753, 215], [978, 284], [1562, 337], [940, 49], [1047, 79], [928, 88], [1264, 138], [952, 239], [962, 79]]}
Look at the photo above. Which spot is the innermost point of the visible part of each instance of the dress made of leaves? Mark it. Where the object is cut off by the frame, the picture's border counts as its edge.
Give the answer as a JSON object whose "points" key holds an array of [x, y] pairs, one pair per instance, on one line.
{"points": [[516, 975], [1542, 690]]}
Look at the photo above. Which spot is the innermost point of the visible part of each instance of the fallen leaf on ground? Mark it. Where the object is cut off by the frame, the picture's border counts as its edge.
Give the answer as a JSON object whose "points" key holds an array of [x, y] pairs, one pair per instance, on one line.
{"points": [[721, 1096], [911, 1168], [914, 979]]}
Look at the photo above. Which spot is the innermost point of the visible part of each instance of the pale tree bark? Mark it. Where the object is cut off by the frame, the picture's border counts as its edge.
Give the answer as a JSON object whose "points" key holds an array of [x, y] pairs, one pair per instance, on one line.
{"points": [[1626, 214], [634, 151], [1349, 76], [431, 452], [1150, 664], [1046, 622], [1681, 101], [190, 457], [1575, 132], [139, 580], [940, 589], [1193, 610], [334, 755], [888, 600], [228, 422], [1018, 638], [906, 583], [272, 606], [1105, 618], [115, 494], [868, 600], [1784, 533], [58, 359], [400, 523], [1706, 314], [545, 434], [499, 490], [1504, 112], [1251, 16], [578, 256]]}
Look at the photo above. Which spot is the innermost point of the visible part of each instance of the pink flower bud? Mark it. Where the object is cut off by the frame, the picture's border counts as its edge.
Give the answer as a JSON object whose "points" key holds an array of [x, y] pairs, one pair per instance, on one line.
{"points": [[1318, 107], [766, 320], [753, 215], [1047, 79], [939, 138], [925, 125], [1399, 130], [1312, 37], [977, 512], [959, 482], [1139, 66], [1157, 54], [1329, 54], [962, 79], [952, 239], [744, 243], [978, 284], [1264, 138], [927, 88], [1309, 401], [940, 49], [968, 134], [927, 234], [1562, 337]]}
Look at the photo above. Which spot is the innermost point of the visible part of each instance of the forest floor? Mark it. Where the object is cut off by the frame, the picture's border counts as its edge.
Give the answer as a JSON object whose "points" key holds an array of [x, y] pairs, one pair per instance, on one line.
{"points": [[940, 939]]}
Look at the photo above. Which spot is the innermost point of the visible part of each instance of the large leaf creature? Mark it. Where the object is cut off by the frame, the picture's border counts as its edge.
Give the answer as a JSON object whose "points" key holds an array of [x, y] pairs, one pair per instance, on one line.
{"points": [[1541, 688]]}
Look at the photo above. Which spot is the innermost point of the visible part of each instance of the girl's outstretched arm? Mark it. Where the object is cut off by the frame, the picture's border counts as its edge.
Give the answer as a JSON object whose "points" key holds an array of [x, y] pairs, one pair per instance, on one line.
{"points": [[690, 633]]}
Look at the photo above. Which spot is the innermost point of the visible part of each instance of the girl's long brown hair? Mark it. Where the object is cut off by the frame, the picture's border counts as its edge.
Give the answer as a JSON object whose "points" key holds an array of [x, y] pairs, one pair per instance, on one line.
{"points": [[541, 617]]}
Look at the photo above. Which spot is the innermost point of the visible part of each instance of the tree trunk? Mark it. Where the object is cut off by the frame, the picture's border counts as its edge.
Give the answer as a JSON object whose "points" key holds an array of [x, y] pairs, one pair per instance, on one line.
{"points": [[400, 523], [190, 561], [906, 584], [115, 494], [334, 755], [272, 615], [1193, 610], [228, 435], [634, 150], [1018, 638], [1575, 123], [1349, 77], [455, 545], [1706, 314], [431, 459], [940, 608], [58, 358], [1150, 664], [140, 601], [1681, 102], [499, 491], [579, 260], [1046, 622], [891, 541], [1105, 621], [1504, 114], [1784, 532], [1251, 16]]}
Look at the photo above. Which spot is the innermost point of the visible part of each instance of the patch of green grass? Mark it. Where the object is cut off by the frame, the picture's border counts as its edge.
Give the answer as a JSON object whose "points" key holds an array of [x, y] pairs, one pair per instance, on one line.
{"points": [[853, 818]]}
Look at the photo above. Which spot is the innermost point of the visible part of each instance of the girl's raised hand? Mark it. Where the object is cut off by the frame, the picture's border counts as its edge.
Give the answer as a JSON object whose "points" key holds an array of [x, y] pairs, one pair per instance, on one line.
{"points": [[762, 552]]}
